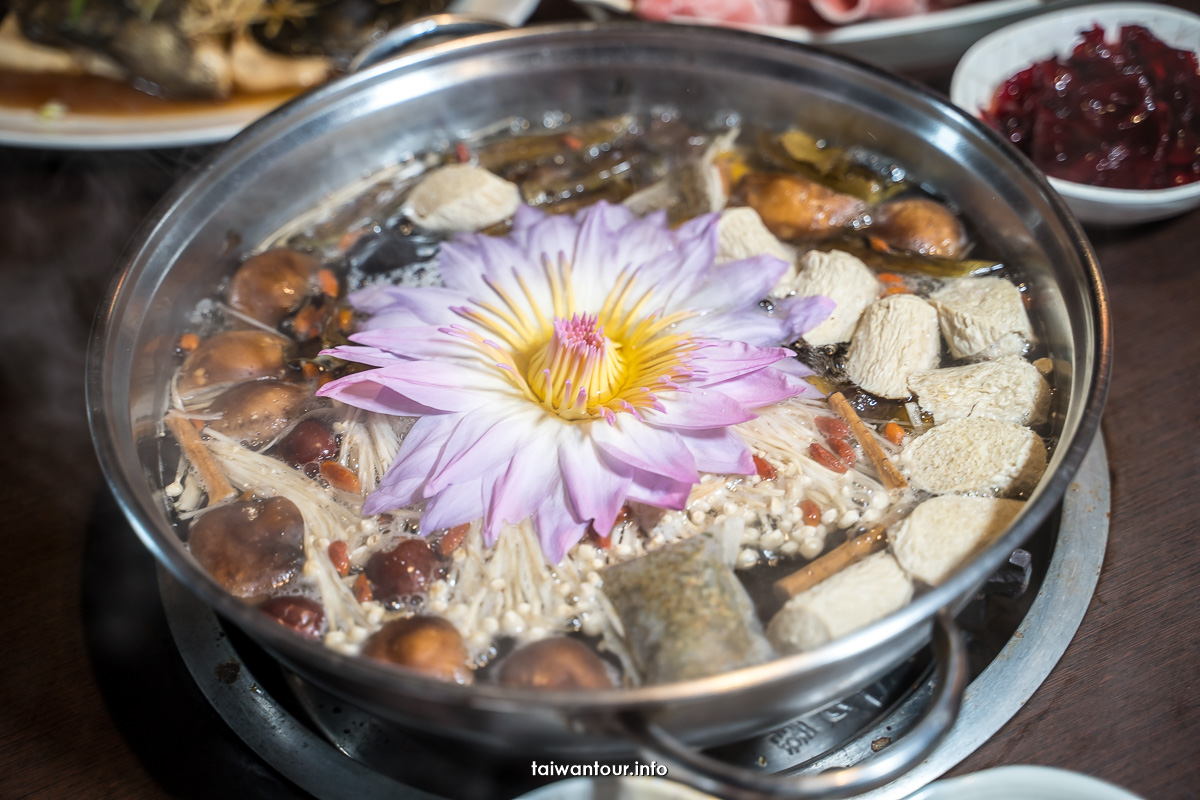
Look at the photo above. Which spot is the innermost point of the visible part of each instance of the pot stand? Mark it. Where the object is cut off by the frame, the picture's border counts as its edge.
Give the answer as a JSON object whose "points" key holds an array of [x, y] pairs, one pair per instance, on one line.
{"points": [[332, 750]]}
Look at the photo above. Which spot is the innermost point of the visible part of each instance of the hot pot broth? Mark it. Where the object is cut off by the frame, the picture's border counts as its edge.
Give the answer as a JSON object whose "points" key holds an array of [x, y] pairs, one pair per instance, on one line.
{"points": [[272, 481]]}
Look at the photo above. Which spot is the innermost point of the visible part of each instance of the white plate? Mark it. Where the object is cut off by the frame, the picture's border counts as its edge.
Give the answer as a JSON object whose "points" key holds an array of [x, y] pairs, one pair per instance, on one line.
{"points": [[936, 39], [205, 125], [615, 789], [1019, 782], [1025, 783]]}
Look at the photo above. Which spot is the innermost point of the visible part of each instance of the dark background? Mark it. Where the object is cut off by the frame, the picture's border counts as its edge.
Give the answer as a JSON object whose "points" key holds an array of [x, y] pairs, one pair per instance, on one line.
{"points": [[76, 720]]}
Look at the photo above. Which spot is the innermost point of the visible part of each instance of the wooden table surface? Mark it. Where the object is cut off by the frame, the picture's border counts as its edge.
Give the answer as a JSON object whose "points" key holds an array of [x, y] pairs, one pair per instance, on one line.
{"points": [[1121, 705]]}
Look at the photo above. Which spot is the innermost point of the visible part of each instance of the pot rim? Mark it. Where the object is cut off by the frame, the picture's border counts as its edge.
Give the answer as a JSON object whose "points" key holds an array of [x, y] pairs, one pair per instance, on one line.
{"points": [[131, 491]]}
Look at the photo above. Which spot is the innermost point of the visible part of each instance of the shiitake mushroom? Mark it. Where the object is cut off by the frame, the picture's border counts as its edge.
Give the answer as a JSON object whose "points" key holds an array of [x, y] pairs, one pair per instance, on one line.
{"points": [[555, 663], [919, 225], [310, 441], [249, 547], [233, 357], [429, 645], [792, 206], [407, 569], [268, 286], [303, 615], [256, 412]]}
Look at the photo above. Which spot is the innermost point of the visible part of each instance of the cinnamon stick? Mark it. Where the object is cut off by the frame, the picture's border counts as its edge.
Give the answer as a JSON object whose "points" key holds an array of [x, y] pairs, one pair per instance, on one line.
{"points": [[833, 562], [889, 476], [195, 451]]}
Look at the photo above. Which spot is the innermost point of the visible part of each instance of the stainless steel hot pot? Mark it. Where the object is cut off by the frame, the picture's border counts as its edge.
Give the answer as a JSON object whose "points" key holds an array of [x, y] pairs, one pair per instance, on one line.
{"points": [[340, 133]]}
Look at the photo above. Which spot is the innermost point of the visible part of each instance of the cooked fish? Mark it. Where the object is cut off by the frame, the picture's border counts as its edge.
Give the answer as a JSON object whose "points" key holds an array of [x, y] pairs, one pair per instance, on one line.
{"points": [[147, 42]]}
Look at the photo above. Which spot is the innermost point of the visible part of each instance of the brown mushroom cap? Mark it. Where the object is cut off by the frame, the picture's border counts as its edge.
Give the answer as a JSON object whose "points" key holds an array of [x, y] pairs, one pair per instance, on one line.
{"points": [[921, 226], [406, 569], [233, 357], [271, 284], [306, 617], [249, 547], [555, 663], [429, 645], [310, 441], [792, 206], [256, 412]]}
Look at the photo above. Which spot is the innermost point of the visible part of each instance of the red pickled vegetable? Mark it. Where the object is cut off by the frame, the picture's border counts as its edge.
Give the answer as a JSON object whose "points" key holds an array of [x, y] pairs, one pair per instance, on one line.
{"points": [[1124, 115]]}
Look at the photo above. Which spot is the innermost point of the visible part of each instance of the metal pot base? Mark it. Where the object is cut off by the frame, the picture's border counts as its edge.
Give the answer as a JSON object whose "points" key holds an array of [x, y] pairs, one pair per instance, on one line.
{"points": [[332, 750]]}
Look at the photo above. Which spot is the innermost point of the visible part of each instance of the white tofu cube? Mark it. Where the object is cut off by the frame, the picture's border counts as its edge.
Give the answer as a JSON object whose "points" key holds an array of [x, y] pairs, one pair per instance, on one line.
{"points": [[944, 532], [844, 279], [459, 198], [983, 317], [895, 338], [975, 455], [1009, 388], [851, 599]]}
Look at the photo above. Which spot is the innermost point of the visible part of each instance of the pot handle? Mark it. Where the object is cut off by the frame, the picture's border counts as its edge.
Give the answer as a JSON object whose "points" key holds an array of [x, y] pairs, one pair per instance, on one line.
{"points": [[737, 783], [405, 36]]}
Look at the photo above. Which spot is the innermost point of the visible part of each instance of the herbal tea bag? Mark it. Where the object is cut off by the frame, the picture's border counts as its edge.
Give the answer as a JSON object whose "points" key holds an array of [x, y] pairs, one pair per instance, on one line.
{"points": [[685, 613]]}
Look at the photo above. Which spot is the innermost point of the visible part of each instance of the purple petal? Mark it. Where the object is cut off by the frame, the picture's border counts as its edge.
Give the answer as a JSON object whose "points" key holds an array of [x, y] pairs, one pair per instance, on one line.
{"points": [[699, 408], [523, 487], [658, 491], [482, 442], [430, 384], [646, 448], [738, 284], [762, 388], [452, 506], [682, 271], [362, 355], [595, 489], [526, 217], [720, 360], [461, 262], [752, 326], [719, 451], [392, 304], [802, 314], [402, 484], [414, 343], [794, 367], [548, 238], [361, 391], [597, 240], [557, 528]]}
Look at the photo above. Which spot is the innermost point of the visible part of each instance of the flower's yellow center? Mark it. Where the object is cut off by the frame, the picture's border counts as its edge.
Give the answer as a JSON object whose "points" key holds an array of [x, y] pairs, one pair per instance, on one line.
{"points": [[578, 367], [579, 362]]}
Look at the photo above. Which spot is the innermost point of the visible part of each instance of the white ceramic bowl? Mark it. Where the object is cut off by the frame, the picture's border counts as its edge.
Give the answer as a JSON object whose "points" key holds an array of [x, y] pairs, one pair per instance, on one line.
{"points": [[1002, 783], [1024, 782], [615, 789], [998, 56]]}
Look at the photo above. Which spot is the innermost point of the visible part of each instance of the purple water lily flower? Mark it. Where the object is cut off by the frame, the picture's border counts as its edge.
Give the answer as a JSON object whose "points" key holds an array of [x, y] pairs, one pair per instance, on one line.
{"points": [[574, 365]]}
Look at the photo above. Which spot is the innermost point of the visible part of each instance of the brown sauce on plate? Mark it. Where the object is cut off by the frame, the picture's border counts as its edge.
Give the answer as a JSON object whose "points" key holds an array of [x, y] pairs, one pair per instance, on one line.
{"points": [[94, 95]]}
